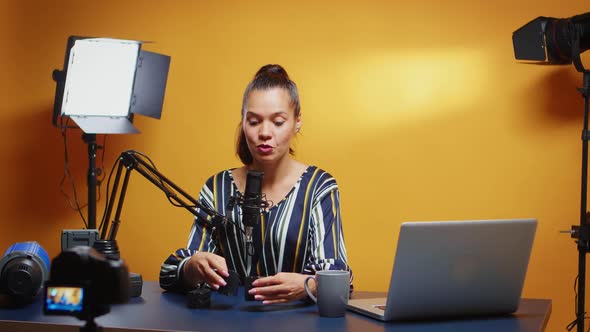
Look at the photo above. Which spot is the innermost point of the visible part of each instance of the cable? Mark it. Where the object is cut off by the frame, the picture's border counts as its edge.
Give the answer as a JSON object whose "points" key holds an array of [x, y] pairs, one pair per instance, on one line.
{"points": [[100, 170], [170, 192], [67, 174], [134, 152], [574, 323], [256, 202]]}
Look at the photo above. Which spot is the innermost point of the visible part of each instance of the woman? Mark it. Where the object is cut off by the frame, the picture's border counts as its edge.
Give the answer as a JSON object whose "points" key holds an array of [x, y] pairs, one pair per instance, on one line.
{"points": [[300, 233]]}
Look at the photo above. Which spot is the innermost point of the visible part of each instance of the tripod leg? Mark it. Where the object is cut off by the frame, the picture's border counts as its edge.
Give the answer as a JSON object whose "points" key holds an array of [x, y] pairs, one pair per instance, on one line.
{"points": [[91, 326]]}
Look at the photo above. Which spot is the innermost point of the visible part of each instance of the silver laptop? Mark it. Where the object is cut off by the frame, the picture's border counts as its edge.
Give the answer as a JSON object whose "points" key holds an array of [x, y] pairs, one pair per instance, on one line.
{"points": [[455, 269]]}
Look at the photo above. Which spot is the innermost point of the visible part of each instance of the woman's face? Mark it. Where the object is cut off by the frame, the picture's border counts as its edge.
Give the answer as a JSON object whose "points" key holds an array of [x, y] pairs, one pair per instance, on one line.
{"points": [[269, 124]]}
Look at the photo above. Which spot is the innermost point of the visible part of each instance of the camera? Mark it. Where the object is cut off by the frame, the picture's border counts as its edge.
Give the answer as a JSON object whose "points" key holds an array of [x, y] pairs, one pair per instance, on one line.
{"points": [[83, 283]]}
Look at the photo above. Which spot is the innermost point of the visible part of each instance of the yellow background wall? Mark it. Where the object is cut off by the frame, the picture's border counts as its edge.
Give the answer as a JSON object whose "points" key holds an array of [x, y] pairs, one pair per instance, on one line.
{"points": [[417, 107]]}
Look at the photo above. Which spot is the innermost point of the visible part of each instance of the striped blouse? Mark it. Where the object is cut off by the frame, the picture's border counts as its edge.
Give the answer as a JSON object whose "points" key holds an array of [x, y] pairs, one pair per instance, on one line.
{"points": [[302, 233]]}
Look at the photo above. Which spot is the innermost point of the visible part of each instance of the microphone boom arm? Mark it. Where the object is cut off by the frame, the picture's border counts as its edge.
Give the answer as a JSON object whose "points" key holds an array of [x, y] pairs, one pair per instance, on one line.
{"points": [[175, 194]]}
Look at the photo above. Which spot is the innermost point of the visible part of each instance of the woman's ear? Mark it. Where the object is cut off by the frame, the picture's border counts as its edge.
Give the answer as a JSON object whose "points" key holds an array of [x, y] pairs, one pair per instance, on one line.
{"points": [[298, 123]]}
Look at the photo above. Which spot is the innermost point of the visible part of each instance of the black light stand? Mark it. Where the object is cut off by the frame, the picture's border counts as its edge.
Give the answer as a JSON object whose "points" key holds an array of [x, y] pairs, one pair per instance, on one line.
{"points": [[79, 98], [90, 139], [560, 41], [582, 232]]}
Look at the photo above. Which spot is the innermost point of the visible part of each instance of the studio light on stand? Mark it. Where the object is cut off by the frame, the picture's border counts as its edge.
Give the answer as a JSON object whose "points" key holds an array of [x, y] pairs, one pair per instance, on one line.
{"points": [[553, 41], [103, 84]]}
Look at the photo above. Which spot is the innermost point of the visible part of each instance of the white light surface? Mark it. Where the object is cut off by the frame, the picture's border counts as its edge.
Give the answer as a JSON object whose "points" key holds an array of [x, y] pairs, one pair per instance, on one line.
{"points": [[100, 77]]}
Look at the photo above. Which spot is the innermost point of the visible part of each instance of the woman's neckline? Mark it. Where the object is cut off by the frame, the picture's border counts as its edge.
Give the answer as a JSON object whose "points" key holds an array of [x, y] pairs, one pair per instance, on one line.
{"points": [[275, 204]]}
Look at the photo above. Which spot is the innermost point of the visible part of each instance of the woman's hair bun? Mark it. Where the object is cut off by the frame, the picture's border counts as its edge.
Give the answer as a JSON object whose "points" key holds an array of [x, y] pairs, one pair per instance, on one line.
{"points": [[272, 70]]}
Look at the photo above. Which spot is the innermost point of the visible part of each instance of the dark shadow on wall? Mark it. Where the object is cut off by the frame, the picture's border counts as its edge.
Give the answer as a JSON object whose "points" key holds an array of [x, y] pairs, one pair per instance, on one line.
{"points": [[561, 99], [558, 100], [38, 159]]}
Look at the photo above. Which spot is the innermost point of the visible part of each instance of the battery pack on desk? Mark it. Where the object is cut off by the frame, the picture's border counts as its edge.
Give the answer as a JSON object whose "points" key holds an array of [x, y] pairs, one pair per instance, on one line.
{"points": [[78, 237], [136, 284]]}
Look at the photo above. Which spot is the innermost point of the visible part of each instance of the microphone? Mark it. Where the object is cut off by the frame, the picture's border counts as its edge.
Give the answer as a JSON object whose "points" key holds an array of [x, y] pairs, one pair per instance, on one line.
{"points": [[252, 202], [252, 198]]}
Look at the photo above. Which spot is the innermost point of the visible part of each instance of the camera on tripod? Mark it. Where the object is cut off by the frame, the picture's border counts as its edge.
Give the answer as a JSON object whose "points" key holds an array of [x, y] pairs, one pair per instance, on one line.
{"points": [[83, 283]]}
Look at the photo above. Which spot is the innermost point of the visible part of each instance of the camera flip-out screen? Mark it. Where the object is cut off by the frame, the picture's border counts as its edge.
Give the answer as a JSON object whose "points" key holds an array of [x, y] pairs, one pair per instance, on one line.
{"points": [[64, 300]]}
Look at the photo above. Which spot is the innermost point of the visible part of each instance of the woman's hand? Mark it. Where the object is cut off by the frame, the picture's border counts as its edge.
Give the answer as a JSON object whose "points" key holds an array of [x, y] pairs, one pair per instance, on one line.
{"points": [[205, 266], [281, 288]]}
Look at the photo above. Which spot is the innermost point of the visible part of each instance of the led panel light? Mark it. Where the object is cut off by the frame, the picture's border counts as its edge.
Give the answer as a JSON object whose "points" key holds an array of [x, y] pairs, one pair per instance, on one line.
{"points": [[106, 81]]}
